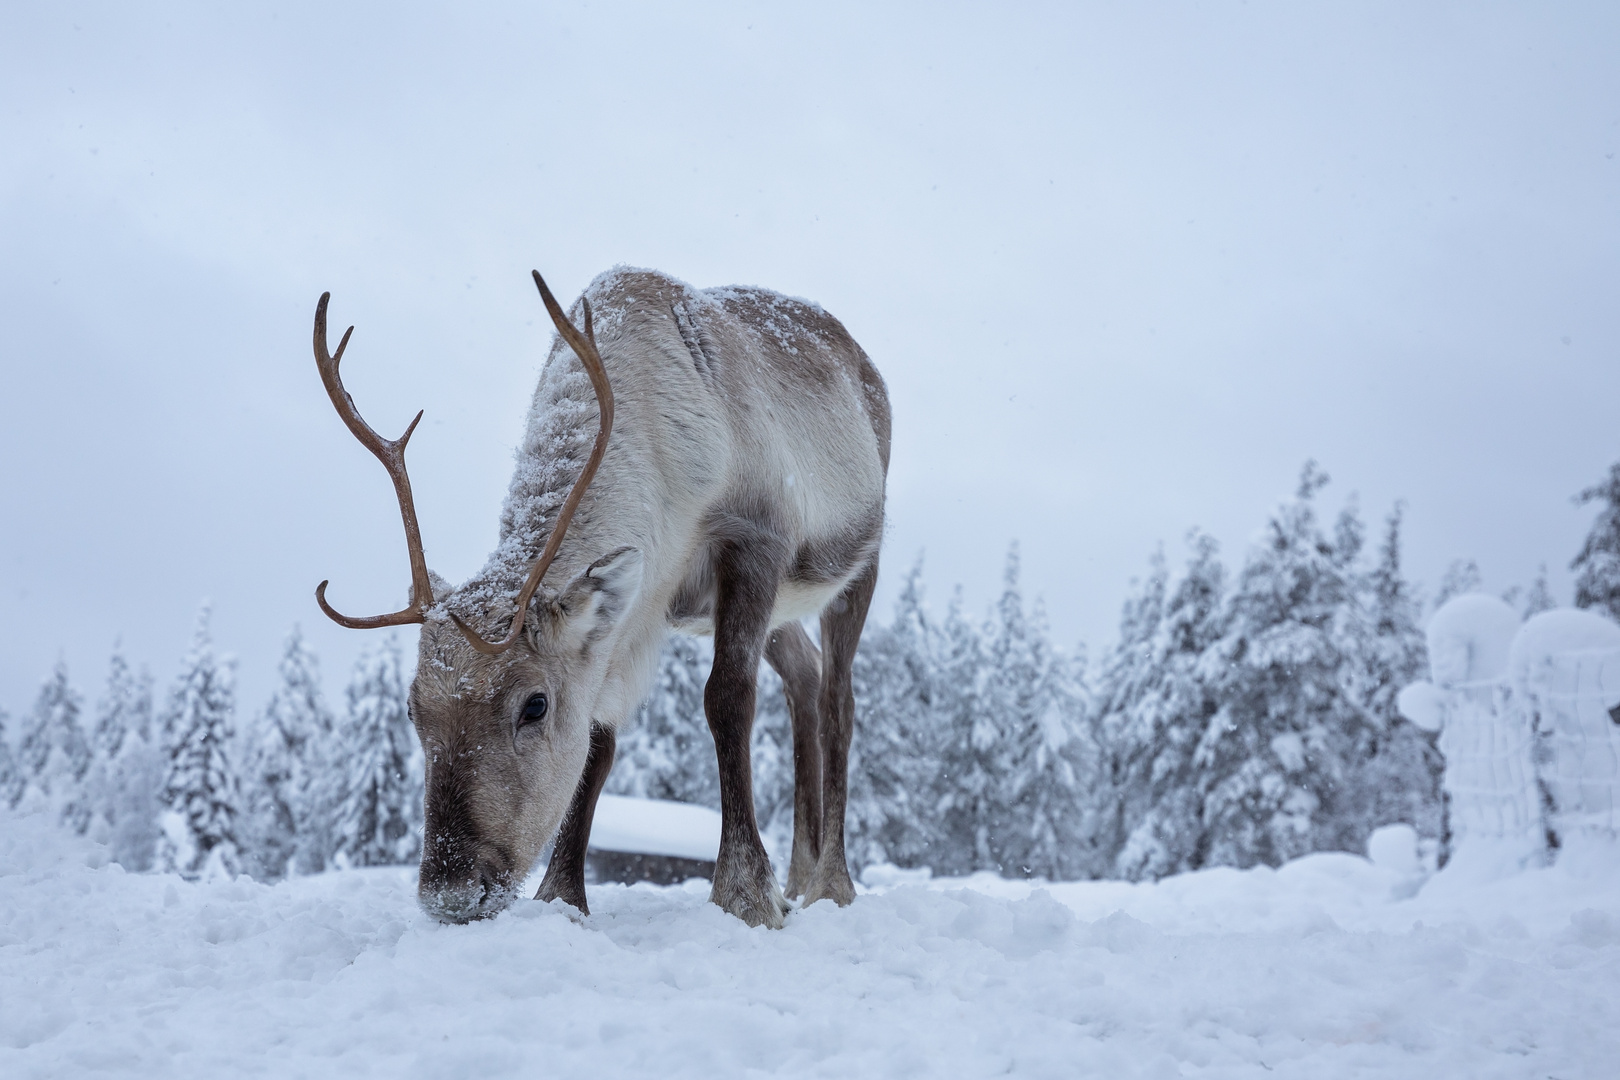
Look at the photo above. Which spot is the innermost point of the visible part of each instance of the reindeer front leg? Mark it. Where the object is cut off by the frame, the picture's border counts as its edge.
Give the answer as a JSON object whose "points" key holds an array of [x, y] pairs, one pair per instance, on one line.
{"points": [[747, 574], [565, 873]]}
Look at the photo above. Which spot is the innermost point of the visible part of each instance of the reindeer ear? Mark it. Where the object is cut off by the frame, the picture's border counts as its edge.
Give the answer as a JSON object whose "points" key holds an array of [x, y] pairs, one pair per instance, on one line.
{"points": [[594, 602], [441, 588]]}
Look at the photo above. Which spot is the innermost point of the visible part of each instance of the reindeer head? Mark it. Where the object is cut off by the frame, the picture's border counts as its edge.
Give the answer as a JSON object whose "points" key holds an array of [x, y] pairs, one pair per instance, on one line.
{"points": [[505, 725]]}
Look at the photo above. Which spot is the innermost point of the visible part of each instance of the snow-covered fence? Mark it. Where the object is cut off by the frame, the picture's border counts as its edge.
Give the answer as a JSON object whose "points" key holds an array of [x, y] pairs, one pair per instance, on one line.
{"points": [[1490, 775], [1531, 745], [1565, 670]]}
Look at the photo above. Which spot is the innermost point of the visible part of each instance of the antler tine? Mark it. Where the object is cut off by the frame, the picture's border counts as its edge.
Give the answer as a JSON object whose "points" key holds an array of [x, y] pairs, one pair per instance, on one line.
{"points": [[584, 346], [392, 455]]}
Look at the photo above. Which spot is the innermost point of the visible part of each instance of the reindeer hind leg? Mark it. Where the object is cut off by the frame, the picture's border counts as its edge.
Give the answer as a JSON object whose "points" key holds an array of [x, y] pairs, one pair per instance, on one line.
{"points": [[841, 626], [797, 660]]}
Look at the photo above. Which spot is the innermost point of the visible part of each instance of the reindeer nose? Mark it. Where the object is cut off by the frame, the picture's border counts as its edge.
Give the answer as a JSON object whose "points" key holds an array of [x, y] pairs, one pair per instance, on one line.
{"points": [[462, 898]]}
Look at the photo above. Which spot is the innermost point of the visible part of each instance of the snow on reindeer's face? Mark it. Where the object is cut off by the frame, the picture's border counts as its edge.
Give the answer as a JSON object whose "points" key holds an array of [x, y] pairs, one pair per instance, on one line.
{"points": [[506, 737]]}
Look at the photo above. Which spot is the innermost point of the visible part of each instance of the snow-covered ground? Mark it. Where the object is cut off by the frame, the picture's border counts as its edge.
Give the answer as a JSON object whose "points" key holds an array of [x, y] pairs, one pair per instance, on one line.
{"points": [[1317, 970]]}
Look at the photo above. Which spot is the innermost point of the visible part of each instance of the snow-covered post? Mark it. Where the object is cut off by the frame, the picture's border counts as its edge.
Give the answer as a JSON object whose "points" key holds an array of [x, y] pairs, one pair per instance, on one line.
{"points": [[1565, 668], [1495, 812]]}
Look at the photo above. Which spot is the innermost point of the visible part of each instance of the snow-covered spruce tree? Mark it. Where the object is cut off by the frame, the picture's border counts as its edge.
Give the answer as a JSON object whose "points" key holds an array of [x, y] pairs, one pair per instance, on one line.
{"points": [[118, 710], [1539, 597], [1024, 738], [56, 755], [667, 751], [1399, 780], [127, 774], [11, 777], [285, 828], [1462, 576], [1159, 702], [896, 755], [1007, 796], [1277, 756], [1007, 732], [1127, 673], [1064, 763], [200, 788], [1597, 567], [374, 767], [963, 797]]}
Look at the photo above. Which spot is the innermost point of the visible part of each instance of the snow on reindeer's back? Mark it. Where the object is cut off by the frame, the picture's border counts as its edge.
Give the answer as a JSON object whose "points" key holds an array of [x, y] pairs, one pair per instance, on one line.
{"points": [[558, 435], [788, 322], [563, 413]]}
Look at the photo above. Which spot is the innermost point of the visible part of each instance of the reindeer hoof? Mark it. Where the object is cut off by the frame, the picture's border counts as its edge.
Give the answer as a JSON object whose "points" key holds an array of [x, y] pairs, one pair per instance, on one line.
{"points": [[568, 894], [770, 912], [800, 871], [830, 882], [747, 888]]}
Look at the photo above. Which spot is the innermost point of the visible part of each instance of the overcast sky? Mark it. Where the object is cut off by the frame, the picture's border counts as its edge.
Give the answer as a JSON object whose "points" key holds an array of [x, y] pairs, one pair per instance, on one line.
{"points": [[1125, 267]]}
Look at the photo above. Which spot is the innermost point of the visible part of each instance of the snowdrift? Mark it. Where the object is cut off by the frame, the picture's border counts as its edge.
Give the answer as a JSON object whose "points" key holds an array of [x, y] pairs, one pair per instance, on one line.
{"points": [[1315, 970], [655, 827]]}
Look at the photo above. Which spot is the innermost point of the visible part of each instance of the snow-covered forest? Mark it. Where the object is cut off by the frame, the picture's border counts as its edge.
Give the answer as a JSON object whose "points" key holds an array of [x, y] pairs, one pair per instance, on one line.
{"points": [[1246, 715], [183, 784]]}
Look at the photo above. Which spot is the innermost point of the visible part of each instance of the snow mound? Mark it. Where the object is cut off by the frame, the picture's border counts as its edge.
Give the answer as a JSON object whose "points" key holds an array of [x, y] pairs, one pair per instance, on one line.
{"points": [[1424, 704], [1308, 971], [1469, 638], [655, 827], [1568, 651], [1397, 851]]}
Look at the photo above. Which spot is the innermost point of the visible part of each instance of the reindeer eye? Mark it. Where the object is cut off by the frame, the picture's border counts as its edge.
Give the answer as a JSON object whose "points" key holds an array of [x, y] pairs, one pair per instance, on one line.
{"points": [[533, 709]]}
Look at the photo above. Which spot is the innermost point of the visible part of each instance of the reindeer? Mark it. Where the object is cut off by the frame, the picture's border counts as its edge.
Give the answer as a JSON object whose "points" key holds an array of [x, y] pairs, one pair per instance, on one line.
{"points": [[734, 487]]}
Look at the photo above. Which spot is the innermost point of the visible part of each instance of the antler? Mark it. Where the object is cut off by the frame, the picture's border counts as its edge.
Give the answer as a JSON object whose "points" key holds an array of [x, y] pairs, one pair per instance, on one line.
{"points": [[584, 346], [392, 455]]}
